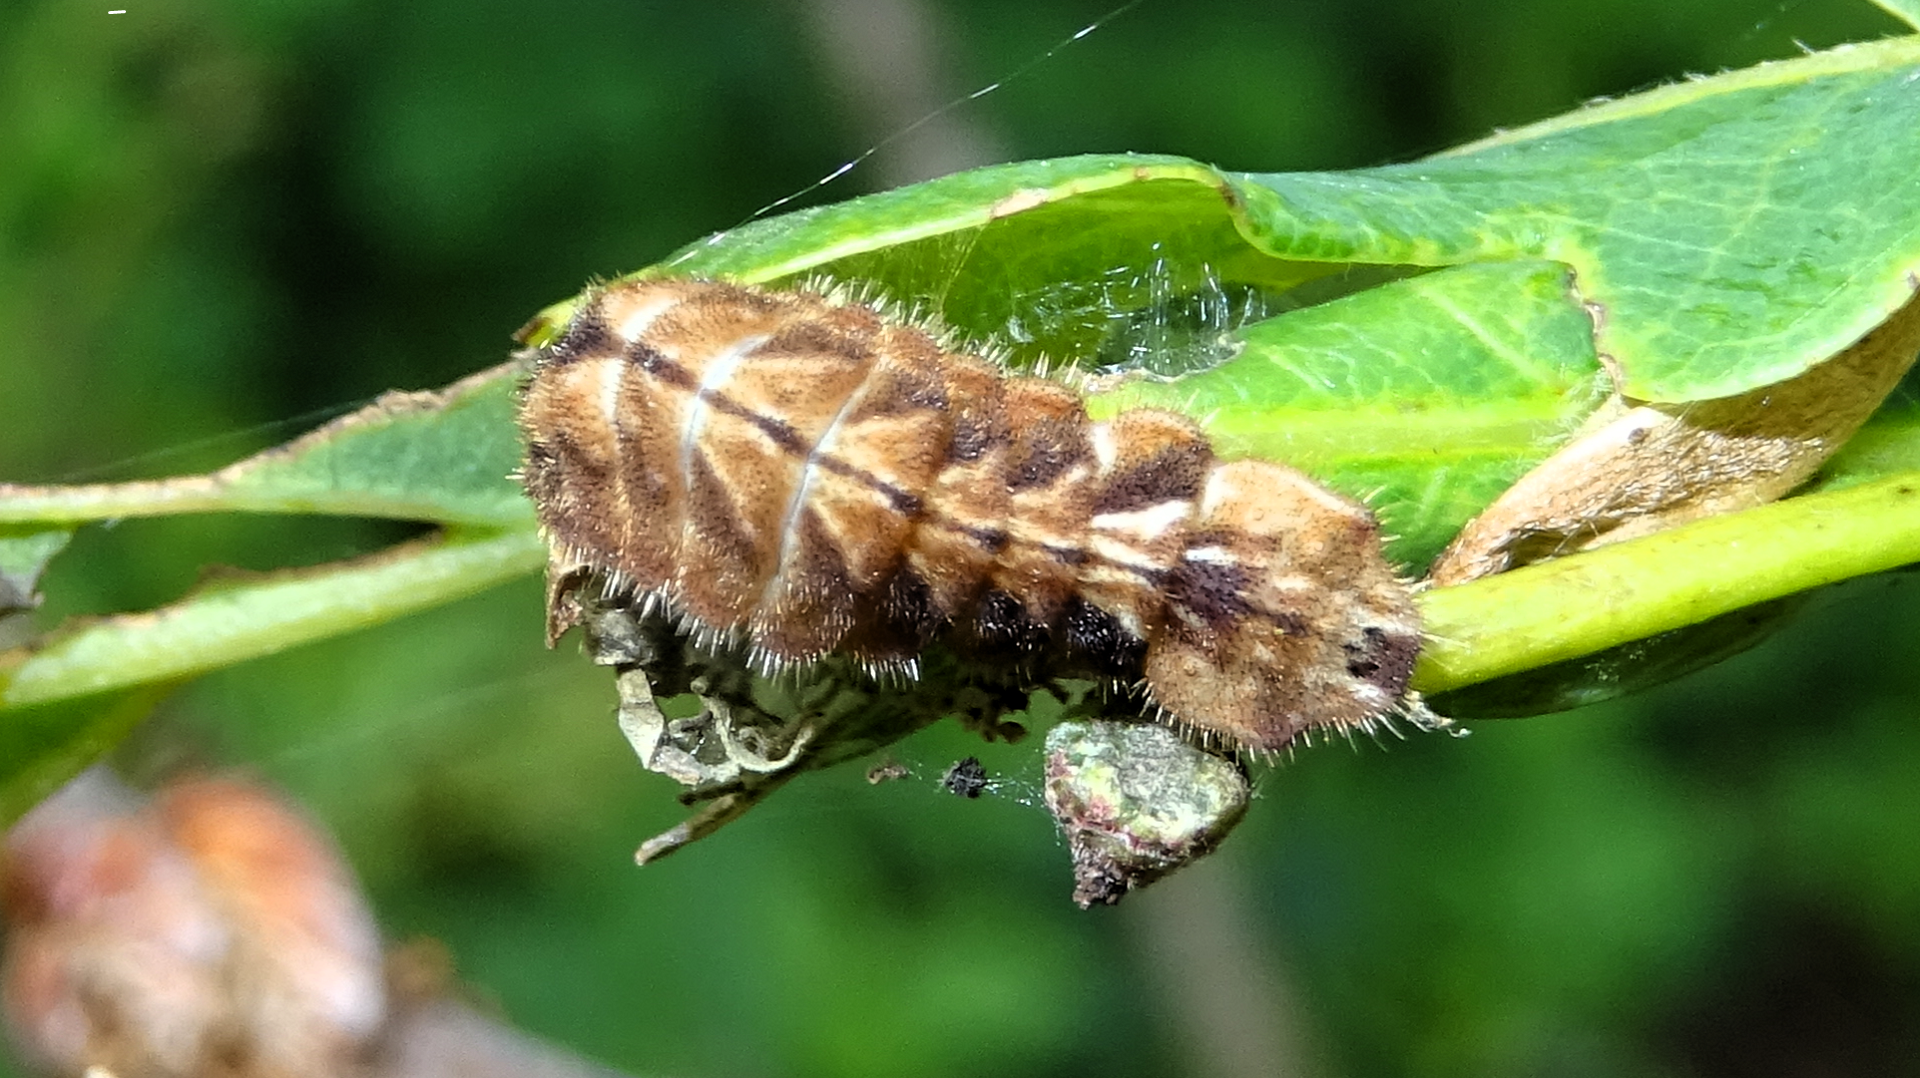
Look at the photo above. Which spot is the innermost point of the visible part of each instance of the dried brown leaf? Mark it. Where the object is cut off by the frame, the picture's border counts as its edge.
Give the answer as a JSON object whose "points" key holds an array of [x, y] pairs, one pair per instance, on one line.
{"points": [[1640, 468]]}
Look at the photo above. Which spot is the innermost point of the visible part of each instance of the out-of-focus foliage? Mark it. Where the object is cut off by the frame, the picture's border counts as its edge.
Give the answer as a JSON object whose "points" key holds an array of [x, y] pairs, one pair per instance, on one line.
{"points": [[214, 219]]}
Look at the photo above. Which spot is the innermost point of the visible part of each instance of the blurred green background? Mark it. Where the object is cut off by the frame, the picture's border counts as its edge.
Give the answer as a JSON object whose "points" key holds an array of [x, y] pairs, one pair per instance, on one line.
{"points": [[220, 224]]}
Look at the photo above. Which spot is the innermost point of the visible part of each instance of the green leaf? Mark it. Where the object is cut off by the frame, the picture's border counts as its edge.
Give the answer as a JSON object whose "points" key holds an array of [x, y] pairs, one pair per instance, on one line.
{"points": [[247, 617], [445, 456], [1415, 394], [1889, 443], [24, 554], [1042, 257], [1729, 232], [43, 746], [1907, 11]]}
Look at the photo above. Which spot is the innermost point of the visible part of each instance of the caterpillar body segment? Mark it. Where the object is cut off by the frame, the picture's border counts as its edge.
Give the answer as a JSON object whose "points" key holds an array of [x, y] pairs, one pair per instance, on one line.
{"points": [[796, 468]]}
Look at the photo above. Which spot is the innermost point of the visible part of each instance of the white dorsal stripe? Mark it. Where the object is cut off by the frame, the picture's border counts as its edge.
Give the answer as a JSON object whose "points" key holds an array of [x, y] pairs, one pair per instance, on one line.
{"points": [[1147, 524], [1220, 487], [612, 372], [1294, 582], [1110, 548], [1122, 562], [797, 504], [1039, 531], [1331, 502], [720, 371], [1104, 451], [641, 318]]}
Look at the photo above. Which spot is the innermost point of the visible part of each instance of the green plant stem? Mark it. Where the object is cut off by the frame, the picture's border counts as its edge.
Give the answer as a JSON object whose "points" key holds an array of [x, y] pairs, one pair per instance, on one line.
{"points": [[1490, 628], [1583, 603]]}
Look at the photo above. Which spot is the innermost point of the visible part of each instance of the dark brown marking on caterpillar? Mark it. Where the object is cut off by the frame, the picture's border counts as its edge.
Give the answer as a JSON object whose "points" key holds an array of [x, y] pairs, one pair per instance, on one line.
{"points": [[794, 467]]}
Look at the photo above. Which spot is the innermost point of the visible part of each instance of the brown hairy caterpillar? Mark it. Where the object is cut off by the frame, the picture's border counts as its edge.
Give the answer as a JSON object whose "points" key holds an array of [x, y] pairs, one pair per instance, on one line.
{"points": [[797, 468]]}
